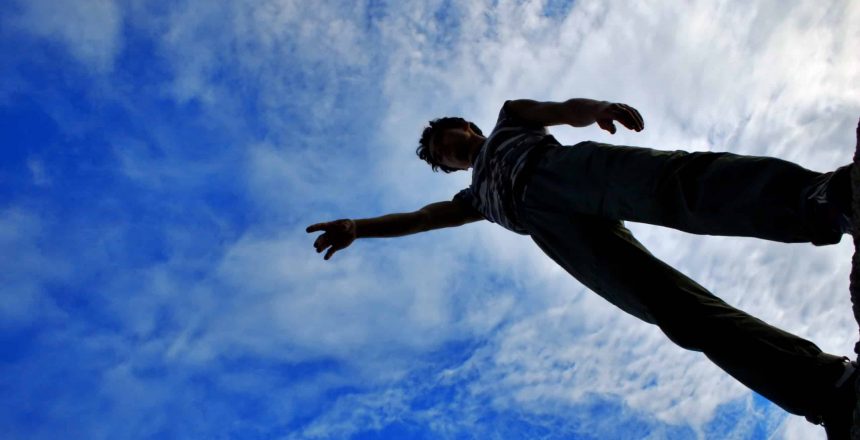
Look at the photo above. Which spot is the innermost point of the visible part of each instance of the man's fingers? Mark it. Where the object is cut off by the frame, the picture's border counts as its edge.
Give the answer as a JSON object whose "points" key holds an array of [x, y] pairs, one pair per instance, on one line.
{"points": [[634, 117], [626, 118], [607, 125], [637, 116], [316, 227], [331, 252], [321, 242], [332, 239], [326, 226]]}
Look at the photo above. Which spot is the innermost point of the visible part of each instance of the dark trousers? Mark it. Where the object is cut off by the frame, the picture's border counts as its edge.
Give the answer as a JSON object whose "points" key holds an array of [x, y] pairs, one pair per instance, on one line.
{"points": [[573, 207]]}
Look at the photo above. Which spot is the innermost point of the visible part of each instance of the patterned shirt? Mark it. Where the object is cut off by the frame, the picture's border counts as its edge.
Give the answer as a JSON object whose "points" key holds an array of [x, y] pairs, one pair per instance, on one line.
{"points": [[497, 166]]}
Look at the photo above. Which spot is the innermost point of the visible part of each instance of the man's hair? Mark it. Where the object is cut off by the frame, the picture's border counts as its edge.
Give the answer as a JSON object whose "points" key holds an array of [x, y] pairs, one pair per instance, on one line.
{"points": [[431, 131]]}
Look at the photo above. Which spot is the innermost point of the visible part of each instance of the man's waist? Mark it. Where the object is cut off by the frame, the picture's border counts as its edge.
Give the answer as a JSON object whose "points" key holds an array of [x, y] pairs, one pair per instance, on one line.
{"points": [[533, 157]]}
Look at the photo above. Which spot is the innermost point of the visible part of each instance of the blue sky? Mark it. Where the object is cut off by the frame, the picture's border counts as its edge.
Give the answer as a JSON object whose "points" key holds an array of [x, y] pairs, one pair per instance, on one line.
{"points": [[160, 161]]}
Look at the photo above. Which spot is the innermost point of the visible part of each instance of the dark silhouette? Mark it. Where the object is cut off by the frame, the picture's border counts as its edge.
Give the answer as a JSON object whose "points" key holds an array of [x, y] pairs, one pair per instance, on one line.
{"points": [[572, 201]]}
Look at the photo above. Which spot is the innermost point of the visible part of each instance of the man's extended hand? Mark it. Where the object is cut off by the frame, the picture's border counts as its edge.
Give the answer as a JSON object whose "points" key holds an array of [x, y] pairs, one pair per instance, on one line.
{"points": [[623, 113], [337, 235]]}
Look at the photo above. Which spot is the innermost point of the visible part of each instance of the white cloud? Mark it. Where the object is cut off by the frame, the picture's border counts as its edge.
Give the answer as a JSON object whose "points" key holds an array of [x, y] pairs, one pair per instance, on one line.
{"points": [[37, 172]]}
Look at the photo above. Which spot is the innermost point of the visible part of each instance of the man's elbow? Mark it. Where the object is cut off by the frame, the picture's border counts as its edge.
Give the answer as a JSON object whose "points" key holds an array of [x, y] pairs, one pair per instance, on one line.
{"points": [[422, 220]]}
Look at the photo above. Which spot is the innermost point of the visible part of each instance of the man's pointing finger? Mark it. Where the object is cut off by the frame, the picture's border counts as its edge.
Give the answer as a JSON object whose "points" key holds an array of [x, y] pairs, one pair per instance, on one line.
{"points": [[317, 227]]}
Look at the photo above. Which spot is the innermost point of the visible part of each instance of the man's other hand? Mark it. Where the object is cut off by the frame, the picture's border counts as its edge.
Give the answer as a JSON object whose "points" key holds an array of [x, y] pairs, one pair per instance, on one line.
{"points": [[337, 235], [623, 113]]}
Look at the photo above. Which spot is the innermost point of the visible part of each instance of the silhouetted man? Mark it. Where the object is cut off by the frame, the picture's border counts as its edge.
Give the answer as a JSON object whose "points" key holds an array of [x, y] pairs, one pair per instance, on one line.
{"points": [[572, 201]]}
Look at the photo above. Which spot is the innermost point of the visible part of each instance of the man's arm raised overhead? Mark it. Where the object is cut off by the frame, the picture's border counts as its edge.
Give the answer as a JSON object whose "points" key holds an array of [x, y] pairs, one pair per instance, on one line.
{"points": [[577, 112], [339, 234]]}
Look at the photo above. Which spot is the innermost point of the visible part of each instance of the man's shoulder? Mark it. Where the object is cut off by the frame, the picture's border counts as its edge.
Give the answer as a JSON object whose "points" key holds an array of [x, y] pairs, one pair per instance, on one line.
{"points": [[509, 119]]}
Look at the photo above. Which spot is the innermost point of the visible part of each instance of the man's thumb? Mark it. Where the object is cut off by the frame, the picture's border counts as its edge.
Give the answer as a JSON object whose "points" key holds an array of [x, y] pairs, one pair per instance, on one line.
{"points": [[607, 125]]}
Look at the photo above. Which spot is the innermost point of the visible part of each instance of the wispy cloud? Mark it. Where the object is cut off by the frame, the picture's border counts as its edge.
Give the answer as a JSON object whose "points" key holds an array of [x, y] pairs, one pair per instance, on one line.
{"points": [[91, 30], [28, 270]]}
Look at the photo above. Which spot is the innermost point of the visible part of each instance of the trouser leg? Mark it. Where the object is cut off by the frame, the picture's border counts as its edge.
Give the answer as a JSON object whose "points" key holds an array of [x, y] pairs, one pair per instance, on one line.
{"points": [[603, 255], [701, 192]]}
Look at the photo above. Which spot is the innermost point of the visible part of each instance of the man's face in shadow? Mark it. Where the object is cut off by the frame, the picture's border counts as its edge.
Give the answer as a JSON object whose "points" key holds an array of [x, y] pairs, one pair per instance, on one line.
{"points": [[452, 147]]}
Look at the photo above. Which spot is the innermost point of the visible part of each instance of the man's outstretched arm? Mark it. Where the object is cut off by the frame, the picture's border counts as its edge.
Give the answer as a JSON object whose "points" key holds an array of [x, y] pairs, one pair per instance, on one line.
{"points": [[578, 112], [339, 234]]}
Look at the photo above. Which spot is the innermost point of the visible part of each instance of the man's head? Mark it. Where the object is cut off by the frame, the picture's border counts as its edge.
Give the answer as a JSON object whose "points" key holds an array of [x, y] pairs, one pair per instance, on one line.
{"points": [[448, 144]]}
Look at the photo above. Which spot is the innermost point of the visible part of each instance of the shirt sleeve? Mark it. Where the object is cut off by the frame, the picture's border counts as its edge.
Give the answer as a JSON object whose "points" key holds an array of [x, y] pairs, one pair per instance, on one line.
{"points": [[509, 119], [465, 196]]}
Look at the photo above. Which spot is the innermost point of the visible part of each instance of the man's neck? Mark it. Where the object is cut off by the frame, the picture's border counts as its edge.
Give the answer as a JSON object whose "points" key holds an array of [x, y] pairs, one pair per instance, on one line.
{"points": [[476, 148]]}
